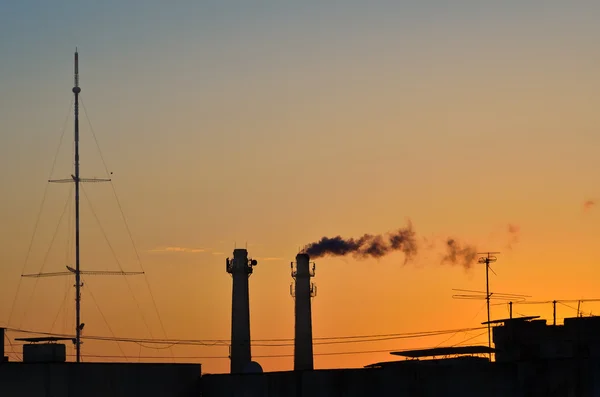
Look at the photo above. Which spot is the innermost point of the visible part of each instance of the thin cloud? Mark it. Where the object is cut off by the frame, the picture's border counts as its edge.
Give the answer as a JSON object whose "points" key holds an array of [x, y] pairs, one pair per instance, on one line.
{"points": [[179, 249], [269, 258]]}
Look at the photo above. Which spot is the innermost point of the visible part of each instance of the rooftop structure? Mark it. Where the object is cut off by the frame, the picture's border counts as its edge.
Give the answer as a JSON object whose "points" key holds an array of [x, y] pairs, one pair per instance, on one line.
{"points": [[445, 351], [530, 338]]}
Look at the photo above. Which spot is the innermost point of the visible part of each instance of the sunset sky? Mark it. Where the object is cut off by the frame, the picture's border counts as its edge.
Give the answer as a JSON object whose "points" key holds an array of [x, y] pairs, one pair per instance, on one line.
{"points": [[270, 125]]}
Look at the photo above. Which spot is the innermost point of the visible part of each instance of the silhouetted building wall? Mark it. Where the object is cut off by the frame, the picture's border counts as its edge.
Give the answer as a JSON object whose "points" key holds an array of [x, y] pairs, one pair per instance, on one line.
{"points": [[410, 380], [426, 378], [303, 343], [99, 380], [519, 339]]}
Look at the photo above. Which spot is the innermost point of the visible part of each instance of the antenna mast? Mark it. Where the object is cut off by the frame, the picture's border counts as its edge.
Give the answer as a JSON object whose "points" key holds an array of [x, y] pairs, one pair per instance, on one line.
{"points": [[77, 180], [76, 91], [489, 258]]}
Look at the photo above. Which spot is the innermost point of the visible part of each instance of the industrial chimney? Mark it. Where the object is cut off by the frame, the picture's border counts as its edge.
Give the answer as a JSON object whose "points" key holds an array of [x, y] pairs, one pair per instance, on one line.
{"points": [[240, 268], [303, 291]]}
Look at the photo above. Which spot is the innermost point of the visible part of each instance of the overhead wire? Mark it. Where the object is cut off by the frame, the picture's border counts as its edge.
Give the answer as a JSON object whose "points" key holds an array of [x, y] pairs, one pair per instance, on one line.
{"points": [[557, 301], [151, 344], [457, 332], [225, 342], [471, 338], [282, 355]]}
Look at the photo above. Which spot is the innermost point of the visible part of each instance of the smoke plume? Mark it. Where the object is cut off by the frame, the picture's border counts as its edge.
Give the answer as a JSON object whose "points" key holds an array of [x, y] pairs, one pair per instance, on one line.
{"points": [[589, 204], [367, 246], [457, 253], [513, 232], [403, 240]]}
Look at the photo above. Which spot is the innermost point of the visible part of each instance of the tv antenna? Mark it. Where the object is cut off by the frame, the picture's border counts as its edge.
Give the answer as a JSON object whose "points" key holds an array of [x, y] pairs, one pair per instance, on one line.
{"points": [[489, 257], [75, 178]]}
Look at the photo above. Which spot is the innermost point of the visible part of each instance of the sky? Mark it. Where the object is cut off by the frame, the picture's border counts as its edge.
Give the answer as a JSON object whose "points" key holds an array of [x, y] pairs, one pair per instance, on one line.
{"points": [[270, 125]]}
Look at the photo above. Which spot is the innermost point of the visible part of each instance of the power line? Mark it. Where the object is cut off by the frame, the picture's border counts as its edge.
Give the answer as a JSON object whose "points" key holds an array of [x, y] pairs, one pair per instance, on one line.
{"points": [[257, 342], [253, 356], [269, 355], [557, 300]]}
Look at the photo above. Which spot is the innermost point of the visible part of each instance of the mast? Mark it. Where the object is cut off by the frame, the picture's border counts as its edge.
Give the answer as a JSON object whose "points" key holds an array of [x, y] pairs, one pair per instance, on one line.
{"points": [[78, 180], [76, 91]]}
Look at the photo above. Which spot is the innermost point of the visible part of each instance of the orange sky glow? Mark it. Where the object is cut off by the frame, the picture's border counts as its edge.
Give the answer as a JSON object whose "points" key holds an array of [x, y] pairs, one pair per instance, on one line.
{"points": [[269, 129]]}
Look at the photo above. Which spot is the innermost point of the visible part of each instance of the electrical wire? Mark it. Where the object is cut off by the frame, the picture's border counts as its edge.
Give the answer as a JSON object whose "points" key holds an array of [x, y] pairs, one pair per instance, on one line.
{"points": [[224, 342], [253, 356], [556, 300], [276, 355]]}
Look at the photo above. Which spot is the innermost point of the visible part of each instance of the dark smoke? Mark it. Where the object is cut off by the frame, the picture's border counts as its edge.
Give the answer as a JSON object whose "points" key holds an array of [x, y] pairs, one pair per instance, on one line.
{"points": [[457, 253], [513, 232], [588, 205], [367, 246]]}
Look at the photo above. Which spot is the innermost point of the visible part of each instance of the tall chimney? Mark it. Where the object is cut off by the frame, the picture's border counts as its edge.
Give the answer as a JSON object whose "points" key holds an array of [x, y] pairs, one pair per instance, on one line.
{"points": [[304, 290], [240, 268]]}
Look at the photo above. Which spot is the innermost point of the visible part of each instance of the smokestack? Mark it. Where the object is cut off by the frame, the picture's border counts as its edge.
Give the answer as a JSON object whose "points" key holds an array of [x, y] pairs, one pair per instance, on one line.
{"points": [[304, 290], [240, 268]]}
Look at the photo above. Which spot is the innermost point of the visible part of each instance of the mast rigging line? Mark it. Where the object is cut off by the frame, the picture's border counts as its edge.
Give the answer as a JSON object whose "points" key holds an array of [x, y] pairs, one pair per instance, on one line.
{"points": [[41, 207], [44, 262], [105, 321], [137, 254]]}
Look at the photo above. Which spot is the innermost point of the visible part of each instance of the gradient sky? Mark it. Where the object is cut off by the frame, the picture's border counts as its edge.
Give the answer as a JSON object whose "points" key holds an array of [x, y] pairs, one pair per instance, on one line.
{"points": [[274, 124]]}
